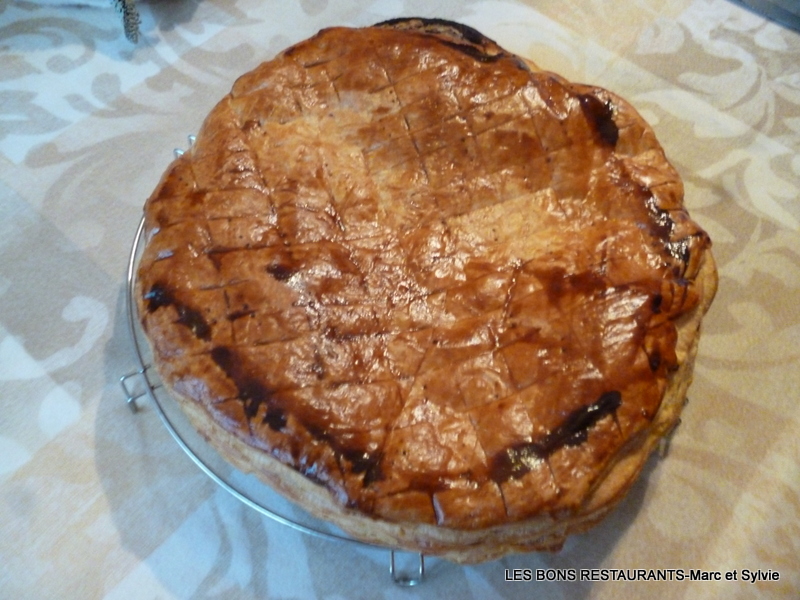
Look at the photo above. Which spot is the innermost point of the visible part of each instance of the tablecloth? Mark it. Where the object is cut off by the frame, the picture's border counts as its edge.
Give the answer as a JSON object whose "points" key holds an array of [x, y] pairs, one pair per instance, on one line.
{"points": [[99, 502]]}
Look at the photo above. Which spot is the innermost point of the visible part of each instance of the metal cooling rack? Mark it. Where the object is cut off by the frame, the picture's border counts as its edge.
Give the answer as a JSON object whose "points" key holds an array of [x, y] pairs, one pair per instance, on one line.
{"points": [[143, 382]]}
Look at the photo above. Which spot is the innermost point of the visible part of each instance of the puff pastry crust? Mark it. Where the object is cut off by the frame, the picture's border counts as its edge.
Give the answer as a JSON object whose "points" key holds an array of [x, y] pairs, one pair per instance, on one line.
{"points": [[432, 293]]}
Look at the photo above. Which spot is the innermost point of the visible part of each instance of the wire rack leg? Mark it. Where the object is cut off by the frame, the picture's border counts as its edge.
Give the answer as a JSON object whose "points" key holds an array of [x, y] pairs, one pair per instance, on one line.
{"points": [[406, 579], [133, 390], [665, 442]]}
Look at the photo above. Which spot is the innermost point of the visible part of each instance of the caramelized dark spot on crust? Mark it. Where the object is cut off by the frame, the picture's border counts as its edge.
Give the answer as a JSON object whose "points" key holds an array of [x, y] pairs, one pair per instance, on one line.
{"points": [[365, 462], [560, 284], [517, 460], [464, 31], [655, 360], [160, 296], [361, 461], [193, 319], [656, 305], [279, 271], [275, 418], [252, 392], [575, 429], [240, 314], [601, 115]]}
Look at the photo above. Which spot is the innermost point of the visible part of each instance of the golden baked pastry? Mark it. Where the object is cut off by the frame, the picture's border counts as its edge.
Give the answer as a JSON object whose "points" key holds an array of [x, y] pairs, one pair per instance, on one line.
{"points": [[433, 294]]}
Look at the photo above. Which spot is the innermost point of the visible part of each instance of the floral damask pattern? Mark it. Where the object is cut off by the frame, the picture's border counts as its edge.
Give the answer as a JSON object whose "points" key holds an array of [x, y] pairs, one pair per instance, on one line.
{"points": [[755, 75], [97, 502]]}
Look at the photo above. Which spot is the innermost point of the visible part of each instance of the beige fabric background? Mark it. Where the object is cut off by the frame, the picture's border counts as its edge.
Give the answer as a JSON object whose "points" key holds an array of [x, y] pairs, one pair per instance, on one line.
{"points": [[96, 502]]}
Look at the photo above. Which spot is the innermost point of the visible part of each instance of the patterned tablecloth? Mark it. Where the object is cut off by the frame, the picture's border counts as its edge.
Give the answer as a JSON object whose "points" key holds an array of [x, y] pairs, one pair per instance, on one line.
{"points": [[96, 502]]}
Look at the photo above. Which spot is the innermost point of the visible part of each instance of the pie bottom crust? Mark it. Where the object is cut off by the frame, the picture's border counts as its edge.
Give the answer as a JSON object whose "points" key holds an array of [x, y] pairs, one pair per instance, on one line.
{"points": [[543, 532]]}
